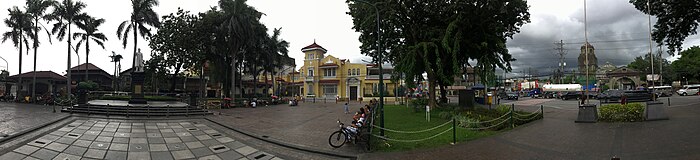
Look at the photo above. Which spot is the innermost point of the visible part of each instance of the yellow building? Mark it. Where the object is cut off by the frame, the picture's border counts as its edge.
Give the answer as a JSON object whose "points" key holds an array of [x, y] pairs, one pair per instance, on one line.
{"points": [[325, 76]]}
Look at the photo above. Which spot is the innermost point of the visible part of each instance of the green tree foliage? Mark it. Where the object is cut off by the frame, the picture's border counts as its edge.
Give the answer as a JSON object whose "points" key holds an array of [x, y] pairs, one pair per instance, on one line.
{"points": [[643, 65], [439, 37], [688, 65], [180, 44], [676, 20]]}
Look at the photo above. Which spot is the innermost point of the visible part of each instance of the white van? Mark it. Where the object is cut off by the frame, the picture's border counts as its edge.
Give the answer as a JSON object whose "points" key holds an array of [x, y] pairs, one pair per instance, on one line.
{"points": [[689, 90]]}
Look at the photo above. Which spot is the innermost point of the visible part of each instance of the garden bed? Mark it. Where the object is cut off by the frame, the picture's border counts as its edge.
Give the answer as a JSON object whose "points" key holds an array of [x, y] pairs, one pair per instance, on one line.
{"points": [[631, 112]]}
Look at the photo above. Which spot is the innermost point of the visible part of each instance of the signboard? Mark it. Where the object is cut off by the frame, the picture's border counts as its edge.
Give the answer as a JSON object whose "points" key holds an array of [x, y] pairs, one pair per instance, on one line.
{"points": [[653, 77]]}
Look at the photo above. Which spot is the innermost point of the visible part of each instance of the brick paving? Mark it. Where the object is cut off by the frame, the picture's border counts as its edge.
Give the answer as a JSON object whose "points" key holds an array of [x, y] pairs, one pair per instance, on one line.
{"points": [[118, 139]]}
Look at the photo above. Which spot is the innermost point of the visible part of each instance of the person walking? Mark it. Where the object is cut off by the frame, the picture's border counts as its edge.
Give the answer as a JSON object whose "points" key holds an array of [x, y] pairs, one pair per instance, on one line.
{"points": [[347, 109]]}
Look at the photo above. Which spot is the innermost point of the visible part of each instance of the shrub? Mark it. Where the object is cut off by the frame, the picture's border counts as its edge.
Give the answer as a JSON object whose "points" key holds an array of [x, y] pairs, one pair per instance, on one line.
{"points": [[88, 86], [632, 112]]}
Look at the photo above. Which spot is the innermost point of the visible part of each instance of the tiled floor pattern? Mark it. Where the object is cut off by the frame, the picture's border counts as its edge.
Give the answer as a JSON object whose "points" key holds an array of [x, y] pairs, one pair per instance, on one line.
{"points": [[164, 140]]}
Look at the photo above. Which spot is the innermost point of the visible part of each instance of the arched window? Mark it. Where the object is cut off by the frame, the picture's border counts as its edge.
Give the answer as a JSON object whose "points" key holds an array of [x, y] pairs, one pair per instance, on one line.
{"points": [[349, 73]]}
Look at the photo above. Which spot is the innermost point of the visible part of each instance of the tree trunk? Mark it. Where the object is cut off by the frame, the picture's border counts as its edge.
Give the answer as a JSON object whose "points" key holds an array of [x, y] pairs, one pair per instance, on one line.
{"points": [[233, 76], [87, 57], [240, 80], [431, 89], [36, 38], [19, 81], [133, 57], [174, 80], [68, 82], [443, 94]]}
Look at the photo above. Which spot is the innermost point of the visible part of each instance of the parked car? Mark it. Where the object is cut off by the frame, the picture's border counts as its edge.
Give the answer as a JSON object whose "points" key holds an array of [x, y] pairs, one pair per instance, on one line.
{"points": [[509, 95], [611, 96], [572, 95], [535, 93], [638, 95], [689, 90]]}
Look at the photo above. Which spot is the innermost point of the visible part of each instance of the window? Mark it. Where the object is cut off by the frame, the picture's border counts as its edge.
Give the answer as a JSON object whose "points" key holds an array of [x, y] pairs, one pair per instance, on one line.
{"points": [[329, 72], [311, 56], [311, 72], [349, 72], [330, 89]]}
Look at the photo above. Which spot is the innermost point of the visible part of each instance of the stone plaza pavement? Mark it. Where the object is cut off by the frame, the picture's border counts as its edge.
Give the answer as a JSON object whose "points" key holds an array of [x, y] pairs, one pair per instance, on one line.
{"points": [[15, 117], [132, 139]]}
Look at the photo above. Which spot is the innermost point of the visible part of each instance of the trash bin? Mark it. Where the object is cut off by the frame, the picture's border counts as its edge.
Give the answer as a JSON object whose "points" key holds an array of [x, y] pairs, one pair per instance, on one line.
{"points": [[490, 100]]}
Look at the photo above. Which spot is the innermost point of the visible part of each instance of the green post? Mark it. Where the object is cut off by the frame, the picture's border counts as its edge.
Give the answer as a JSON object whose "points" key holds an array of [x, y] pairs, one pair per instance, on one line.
{"points": [[454, 131], [512, 109]]}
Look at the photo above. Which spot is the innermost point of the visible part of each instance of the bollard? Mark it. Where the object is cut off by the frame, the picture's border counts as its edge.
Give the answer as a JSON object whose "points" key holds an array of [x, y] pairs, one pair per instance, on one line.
{"points": [[669, 101], [127, 110], [542, 111], [89, 110], [512, 109], [187, 111], [454, 131], [108, 111], [324, 100], [314, 99], [167, 111], [54, 108], [148, 110]]}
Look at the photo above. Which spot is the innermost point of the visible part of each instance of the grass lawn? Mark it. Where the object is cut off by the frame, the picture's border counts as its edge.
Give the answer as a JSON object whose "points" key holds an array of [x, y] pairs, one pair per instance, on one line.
{"points": [[405, 119]]}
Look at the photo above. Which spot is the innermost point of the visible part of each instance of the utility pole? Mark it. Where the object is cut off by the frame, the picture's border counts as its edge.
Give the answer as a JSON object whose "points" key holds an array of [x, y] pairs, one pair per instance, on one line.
{"points": [[661, 65], [560, 71], [653, 98]]}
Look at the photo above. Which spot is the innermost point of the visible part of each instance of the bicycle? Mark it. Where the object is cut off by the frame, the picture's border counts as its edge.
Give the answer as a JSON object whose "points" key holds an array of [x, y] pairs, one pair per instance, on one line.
{"points": [[344, 135]]}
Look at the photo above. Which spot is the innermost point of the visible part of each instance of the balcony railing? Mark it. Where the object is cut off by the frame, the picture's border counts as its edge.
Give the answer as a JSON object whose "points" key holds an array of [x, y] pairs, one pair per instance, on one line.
{"points": [[309, 78]]}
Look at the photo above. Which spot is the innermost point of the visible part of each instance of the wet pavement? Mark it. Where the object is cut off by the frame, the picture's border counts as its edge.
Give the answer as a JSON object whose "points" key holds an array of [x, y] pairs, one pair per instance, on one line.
{"points": [[558, 137], [136, 139], [15, 117], [308, 125]]}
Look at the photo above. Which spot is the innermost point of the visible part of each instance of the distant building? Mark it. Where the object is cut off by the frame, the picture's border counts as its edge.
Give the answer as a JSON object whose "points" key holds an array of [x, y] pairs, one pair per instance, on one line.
{"points": [[46, 82], [592, 60], [326, 76], [95, 74]]}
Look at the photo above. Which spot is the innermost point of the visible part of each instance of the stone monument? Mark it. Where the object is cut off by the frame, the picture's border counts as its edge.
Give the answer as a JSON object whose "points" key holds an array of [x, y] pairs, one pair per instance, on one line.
{"points": [[137, 80]]}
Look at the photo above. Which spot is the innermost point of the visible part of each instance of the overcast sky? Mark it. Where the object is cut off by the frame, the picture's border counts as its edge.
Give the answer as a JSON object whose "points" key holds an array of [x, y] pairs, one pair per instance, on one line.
{"points": [[616, 29]]}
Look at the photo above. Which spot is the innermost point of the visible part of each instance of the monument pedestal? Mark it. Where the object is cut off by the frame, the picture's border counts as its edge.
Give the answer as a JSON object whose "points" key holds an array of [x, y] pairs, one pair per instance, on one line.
{"points": [[587, 113], [137, 80]]}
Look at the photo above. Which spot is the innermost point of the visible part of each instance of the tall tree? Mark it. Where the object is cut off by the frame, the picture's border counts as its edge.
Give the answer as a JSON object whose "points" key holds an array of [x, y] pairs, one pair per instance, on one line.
{"points": [[90, 25], [142, 15], [37, 10], [676, 20], [66, 14], [239, 20], [179, 43], [439, 37], [688, 65], [20, 24], [644, 66]]}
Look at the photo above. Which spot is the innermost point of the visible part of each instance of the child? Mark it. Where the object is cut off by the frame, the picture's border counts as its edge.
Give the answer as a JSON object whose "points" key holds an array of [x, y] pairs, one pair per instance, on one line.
{"points": [[347, 110]]}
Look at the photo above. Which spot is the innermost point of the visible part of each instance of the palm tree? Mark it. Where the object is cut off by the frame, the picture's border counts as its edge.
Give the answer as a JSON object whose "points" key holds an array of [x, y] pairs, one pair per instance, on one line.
{"points": [[36, 10], [240, 19], [90, 26], [67, 13], [116, 58], [19, 23], [141, 15]]}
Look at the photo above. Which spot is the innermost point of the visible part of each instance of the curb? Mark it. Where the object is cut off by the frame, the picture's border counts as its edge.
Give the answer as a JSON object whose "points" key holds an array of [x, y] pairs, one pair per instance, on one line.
{"points": [[293, 146], [23, 132]]}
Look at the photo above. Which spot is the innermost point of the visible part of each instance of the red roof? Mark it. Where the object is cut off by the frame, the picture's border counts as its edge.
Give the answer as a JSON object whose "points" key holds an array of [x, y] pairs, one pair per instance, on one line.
{"points": [[312, 47], [82, 67], [40, 74]]}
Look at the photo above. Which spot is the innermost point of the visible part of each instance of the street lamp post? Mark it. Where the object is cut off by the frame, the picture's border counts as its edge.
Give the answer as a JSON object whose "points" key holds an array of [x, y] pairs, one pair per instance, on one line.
{"points": [[379, 60], [7, 65]]}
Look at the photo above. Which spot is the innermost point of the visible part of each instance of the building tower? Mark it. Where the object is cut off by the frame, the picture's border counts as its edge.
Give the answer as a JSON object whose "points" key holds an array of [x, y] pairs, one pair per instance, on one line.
{"points": [[592, 59]]}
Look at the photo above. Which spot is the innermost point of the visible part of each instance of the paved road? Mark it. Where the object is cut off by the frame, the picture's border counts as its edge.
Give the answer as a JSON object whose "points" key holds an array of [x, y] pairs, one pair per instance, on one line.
{"points": [[557, 137], [15, 117]]}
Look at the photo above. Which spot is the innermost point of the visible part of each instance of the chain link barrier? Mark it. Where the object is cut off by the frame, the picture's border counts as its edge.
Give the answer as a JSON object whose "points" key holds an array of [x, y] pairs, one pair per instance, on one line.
{"points": [[410, 132], [416, 140], [487, 127]]}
